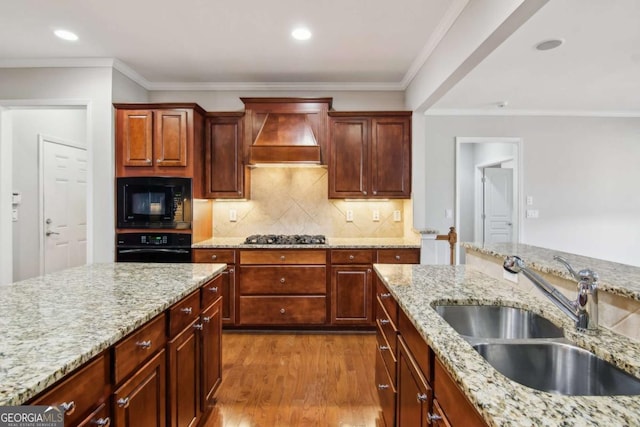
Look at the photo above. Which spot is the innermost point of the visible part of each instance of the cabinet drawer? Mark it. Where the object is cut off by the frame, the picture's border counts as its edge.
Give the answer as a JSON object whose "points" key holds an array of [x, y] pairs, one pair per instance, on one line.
{"points": [[85, 390], [416, 344], [386, 391], [210, 291], [388, 353], [135, 349], [455, 405], [386, 326], [276, 256], [348, 256], [398, 256], [227, 256], [386, 300], [183, 313], [283, 280], [264, 310], [98, 417]]}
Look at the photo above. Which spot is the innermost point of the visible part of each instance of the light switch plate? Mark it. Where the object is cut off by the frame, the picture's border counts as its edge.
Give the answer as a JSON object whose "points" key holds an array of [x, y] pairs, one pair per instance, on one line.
{"points": [[376, 215], [233, 215], [533, 213], [349, 215], [397, 216], [529, 200]]}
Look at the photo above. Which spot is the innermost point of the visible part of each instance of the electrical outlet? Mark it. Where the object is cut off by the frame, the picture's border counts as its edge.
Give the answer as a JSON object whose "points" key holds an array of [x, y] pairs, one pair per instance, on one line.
{"points": [[233, 215], [529, 200], [349, 215], [14, 215], [532, 213], [397, 216], [376, 215]]}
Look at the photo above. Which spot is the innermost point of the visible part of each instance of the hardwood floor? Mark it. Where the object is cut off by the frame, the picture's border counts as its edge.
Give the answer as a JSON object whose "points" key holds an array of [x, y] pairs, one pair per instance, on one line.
{"points": [[296, 379]]}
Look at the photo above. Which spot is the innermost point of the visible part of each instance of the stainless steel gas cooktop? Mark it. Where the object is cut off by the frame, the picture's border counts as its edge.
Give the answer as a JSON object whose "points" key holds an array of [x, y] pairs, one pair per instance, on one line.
{"points": [[285, 239]]}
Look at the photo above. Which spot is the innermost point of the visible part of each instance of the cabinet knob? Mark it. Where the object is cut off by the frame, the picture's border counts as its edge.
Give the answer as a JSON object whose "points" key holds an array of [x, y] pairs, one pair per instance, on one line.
{"points": [[214, 257], [214, 289], [375, 192], [364, 192], [232, 270], [123, 402], [387, 295], [158, 160], [383, 386], [282, 257], [433, 417], [145, 345], [282, 280], [187, 310], [282, 311], [385, 321], [398, 257], [68, 407], [351, 257], [198, 326], [102, 422], [421, 397]]}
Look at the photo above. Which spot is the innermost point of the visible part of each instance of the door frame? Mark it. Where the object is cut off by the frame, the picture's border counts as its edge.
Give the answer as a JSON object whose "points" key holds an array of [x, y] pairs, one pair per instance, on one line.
{"points": [[518, 174], [42, 140]]}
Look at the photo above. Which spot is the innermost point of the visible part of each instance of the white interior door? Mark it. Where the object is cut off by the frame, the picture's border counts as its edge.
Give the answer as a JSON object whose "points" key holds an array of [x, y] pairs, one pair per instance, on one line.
{"points": [[63, 172], [498, 205]]}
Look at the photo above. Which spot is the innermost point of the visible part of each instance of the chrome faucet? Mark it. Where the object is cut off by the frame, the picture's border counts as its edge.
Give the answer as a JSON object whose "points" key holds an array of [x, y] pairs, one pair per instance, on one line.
{"points": [[584, 310]]}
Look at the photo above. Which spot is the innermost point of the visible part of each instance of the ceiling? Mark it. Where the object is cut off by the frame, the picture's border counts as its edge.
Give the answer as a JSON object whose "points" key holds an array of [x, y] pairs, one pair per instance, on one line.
{"points": [[356, 44], [205, 41], [595, 72]]}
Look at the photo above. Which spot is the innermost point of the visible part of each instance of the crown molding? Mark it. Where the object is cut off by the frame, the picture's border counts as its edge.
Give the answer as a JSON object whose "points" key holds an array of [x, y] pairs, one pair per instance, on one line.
{"points": [[131, 73], [263, 86], [549, 113], [450, 16]]}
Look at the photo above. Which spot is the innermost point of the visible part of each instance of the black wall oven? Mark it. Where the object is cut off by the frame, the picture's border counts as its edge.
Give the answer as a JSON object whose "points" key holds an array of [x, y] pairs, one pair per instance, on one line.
{"points": [[154, 202], [153, 247]]}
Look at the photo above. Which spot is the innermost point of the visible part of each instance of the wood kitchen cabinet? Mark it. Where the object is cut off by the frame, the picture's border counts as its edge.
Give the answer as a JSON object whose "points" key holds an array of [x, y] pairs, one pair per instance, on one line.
{"points": [[226, 283], [159, 139], [370, 155], [351, 287], [211, 350], [225, 173], [414, 393]]}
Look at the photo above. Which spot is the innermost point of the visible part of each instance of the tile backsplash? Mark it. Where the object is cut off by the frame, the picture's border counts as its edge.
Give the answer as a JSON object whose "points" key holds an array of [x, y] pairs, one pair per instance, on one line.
{"points": [[294, 200]]}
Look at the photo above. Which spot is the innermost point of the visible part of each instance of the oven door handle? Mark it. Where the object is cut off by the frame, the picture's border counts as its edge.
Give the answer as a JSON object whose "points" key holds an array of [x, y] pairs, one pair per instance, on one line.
{"points": [[153, 251]]}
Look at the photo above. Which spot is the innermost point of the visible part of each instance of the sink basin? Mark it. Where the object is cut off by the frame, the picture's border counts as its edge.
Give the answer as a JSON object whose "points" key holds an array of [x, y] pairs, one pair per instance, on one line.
{"points": [[558, 368], [492, 321]]}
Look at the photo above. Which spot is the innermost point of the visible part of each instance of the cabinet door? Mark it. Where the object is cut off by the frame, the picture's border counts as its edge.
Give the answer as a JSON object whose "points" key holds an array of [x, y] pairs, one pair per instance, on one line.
{"points": [[141, 401], [134, 135], [211, 351], [414, 393], [170, 138], [348, 161], [229, 296], [184, 378], [391, 157], [351, 295], [224, 171]]}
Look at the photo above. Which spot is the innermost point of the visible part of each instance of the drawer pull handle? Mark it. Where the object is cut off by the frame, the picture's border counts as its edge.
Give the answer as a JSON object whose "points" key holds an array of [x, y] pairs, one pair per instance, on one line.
{"points": [[282, 311], [422, 397], [387, 295], [383, 347], [206, 319], [398, 257], [214, 257], [68, 407], [383, 386], [385, 321], [214, 289], [145, 345], [433, 417], [123, 402], [187, 310], [198, 326], [282, 257], [282, 280], [102, 422], [351, 257]]}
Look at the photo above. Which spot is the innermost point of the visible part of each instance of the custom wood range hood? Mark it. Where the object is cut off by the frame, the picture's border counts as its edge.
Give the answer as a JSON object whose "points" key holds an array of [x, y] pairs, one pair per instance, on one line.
{"points": [[287, 130]]}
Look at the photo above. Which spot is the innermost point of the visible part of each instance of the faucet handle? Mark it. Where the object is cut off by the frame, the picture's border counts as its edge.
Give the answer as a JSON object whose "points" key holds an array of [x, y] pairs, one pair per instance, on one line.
{"points": [[588, 276], [564, 262]]}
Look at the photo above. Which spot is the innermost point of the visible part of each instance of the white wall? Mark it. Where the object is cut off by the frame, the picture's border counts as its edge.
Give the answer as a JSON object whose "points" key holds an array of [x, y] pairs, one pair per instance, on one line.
{"points": [[581, 172], [230, 100], [126, 90], [68, 124]]}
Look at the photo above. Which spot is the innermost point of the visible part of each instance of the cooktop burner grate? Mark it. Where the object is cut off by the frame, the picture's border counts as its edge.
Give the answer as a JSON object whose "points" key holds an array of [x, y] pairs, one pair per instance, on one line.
{"points": [[285, 239]]}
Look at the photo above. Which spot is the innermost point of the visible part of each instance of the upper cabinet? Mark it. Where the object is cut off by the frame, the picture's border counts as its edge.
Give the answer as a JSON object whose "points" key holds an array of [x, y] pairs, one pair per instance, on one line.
{"points": [[158, 139], [370, 155], [225, 173]]}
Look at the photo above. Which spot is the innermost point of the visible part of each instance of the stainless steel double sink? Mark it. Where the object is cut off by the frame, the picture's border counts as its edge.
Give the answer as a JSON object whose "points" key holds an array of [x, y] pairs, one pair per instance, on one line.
{"points": [[530, 350]]}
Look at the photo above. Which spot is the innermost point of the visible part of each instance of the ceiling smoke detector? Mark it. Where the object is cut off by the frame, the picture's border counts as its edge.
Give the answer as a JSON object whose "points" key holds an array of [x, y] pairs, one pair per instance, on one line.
{"points": [[502, 104], [549, 44]]}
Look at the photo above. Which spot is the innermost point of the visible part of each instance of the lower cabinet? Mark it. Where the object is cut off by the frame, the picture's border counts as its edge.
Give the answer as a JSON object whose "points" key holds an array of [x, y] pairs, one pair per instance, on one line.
{"points": [[184, 377], [211, 349], [414, 393], [141, 400], [351, 295]]}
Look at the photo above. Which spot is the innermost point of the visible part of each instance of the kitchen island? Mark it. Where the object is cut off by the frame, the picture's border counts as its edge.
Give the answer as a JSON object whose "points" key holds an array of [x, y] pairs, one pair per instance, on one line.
{"points": [[500, 401], [52, 324]]}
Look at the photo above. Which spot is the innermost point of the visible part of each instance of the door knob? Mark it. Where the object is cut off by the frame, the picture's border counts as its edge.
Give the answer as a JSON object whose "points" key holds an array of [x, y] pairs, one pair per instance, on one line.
{"points": [[49, 233]]}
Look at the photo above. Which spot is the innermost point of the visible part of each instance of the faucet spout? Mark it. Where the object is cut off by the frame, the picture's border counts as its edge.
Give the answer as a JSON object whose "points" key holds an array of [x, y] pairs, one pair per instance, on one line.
{"points": [[584, 310]]}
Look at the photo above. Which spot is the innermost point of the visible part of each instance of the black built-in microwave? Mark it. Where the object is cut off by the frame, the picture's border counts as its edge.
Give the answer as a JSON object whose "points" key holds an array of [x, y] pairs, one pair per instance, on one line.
{"points": [[153, 202]]}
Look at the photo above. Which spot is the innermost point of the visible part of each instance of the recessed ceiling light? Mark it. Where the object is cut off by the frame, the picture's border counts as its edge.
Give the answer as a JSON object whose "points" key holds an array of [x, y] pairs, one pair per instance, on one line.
{"points": [[549, 44], [301, 33], [66, 35]]}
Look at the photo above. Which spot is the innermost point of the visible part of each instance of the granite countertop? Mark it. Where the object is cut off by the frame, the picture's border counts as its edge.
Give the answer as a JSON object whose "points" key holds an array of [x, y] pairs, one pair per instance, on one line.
{"points": [[503, 402], [52, 324], [332, 243], [615, 278]]}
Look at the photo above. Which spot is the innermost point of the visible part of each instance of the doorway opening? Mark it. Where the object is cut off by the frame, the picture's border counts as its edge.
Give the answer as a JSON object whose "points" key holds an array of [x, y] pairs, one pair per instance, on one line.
{"points": [[487, 190]]}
